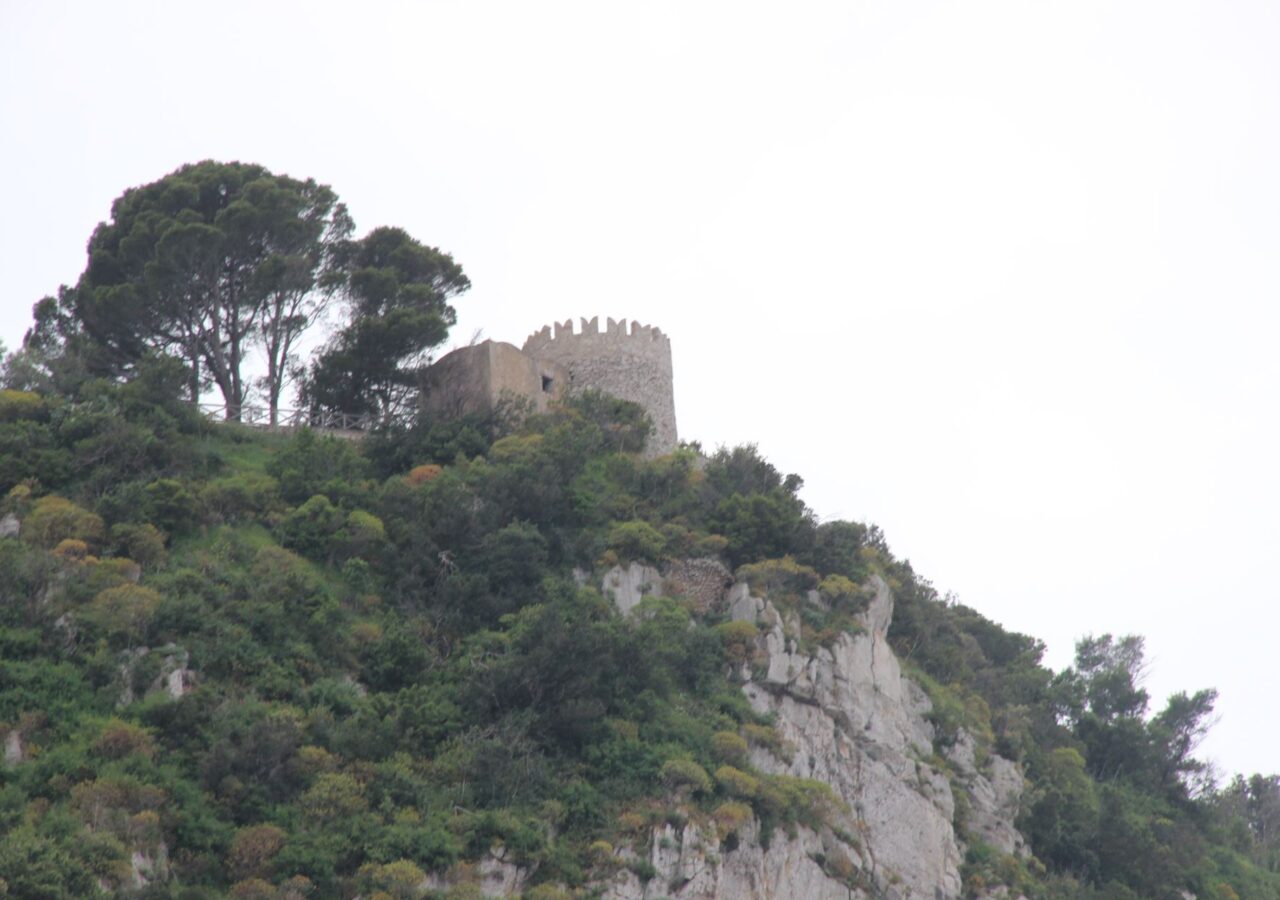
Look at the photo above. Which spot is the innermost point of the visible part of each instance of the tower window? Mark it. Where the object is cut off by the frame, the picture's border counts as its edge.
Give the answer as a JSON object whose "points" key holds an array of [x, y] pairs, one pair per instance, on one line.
{"points": [[547, 382]]}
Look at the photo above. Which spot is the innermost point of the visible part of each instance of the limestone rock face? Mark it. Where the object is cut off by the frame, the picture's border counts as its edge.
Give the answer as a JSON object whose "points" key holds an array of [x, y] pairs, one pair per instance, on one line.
{"points": [[501, 878], [10, 526], [149, 865], [703, 582], [175, 678], [14, 752], [492, 876], [994, 789], [856, 723], [691, 864], [628, 585]]}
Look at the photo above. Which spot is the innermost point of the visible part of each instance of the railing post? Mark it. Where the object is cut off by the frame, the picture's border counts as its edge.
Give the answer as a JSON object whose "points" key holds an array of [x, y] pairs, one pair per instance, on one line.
{"points": [[255, 416]]}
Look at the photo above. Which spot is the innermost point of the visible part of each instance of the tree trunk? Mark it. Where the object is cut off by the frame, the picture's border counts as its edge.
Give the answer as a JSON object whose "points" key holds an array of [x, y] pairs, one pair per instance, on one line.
{"points": [[194, 385]]}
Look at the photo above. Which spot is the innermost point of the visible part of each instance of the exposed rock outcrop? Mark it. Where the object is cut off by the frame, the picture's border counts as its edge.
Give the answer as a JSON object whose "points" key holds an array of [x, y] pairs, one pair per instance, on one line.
{"points": [[175, 678], [691, 863], [858, 725], [149, 865], [628, 585], [995, 790], [703, 582], [854, 722], [492, 876], [14, 751]]}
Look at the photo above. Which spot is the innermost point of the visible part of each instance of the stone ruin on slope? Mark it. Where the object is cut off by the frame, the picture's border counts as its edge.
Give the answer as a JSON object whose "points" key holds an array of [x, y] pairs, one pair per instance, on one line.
{"points": [[632, 364]]}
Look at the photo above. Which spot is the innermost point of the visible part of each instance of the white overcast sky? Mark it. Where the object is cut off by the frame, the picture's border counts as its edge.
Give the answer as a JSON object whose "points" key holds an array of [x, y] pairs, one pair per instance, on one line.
{"points": [[998, 277]]}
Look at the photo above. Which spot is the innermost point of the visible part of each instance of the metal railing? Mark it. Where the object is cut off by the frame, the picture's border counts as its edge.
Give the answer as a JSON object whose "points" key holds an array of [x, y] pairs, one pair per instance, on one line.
{"points": [[258, 416]]}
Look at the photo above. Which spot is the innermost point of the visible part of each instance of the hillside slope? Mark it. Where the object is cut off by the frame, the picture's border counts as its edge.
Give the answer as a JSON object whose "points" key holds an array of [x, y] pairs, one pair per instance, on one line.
{"points": [[484, 656]]}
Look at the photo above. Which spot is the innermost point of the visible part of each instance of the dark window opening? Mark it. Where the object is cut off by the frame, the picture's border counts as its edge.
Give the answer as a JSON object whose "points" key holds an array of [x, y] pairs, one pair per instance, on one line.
{"points": [[546, 384]]}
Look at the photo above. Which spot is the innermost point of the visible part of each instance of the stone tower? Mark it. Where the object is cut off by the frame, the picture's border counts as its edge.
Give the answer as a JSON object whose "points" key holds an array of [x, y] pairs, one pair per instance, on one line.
{"points": [[630, 364]]}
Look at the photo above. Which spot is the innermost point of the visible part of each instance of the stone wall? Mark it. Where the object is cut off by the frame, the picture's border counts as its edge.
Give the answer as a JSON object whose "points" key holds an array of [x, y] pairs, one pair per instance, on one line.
{"points": [[632, 364], [474, 379], [511, 371], [704, 581]]}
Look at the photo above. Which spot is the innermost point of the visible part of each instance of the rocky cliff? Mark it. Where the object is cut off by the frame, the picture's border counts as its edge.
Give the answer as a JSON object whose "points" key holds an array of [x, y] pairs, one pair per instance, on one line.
{"points": [[850, 719]]}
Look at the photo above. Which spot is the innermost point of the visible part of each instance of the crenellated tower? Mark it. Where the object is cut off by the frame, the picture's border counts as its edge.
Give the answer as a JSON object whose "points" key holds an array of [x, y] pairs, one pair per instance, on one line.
{"points": [[629, 363]]}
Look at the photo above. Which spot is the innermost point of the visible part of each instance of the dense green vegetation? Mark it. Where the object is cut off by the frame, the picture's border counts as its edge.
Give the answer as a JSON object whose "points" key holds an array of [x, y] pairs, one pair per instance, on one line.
{"points": [[259, 665], [392, 668]]}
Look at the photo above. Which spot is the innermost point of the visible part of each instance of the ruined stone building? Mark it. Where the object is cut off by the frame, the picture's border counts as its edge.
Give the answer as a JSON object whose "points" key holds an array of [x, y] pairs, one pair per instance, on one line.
{"points": [[630, 364]]}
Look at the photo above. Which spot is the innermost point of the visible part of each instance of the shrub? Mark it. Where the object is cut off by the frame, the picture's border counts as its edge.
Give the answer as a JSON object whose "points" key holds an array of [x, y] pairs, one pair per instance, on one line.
{"points": [[844, 548], [119, 739], [683, 775], [601, 853], [547, 892], [312, 465], [26, 574], [239, 497], [624, 426], [631, 823], [839, 864], [729, 747], [769, 525], [310, 529], [123, 611], [789, 799], [782, 576], [736, 782], [112, 571], [947, 713], [636, 539], [362, 534], [253, 849], [837, 590], [334, 796], [682, 542], [643, 870], [253, 889], [142, 543], [18, 500], [70, 548], [401, 879], [739, 639], [284, 578], [366, 633], [514, 559], [15, 405], [395, 447], [169, 504], [422, 474], [53, 519], [107, 804], [730, 816], [310, 761], [29, 451], [769, 738]]}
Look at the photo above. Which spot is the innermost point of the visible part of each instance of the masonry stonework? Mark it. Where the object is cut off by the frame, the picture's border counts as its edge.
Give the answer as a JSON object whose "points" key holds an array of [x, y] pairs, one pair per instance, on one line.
{"points": [[476, 378], [631, 364]]}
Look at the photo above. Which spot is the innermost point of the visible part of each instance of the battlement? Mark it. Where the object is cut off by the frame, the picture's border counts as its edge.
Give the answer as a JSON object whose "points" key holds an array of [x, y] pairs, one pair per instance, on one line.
{"points": [[630, 362], [633, 363], [616, 331]]}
